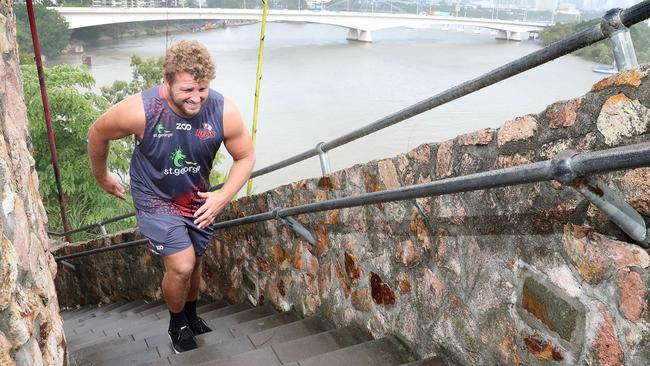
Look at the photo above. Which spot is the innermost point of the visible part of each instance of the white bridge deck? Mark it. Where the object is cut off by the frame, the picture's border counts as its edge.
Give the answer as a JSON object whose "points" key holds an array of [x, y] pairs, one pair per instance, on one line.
{"points": [[359, 24]]}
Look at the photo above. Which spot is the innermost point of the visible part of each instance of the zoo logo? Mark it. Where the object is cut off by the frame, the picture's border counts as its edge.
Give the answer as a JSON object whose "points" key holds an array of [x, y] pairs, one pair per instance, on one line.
{"points": [[161, 132], [183, 126], [182, 166]]}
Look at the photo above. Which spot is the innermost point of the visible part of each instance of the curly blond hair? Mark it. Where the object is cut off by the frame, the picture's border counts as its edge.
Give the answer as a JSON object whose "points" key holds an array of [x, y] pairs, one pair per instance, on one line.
{"points": [[190, 57]]}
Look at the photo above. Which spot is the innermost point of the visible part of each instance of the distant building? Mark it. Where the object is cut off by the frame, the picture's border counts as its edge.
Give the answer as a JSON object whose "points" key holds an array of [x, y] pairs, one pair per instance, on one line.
{"points": [[566, 7], [546, 5], [137, 3]]}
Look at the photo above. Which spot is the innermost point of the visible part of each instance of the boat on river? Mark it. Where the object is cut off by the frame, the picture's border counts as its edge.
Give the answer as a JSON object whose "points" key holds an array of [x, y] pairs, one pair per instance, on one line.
{"points": [[605, 69]]}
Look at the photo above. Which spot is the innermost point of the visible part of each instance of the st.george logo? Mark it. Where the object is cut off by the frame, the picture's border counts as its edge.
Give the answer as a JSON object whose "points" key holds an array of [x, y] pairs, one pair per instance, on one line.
{"points": [[161, 132], [206, 132], [181, 165]]}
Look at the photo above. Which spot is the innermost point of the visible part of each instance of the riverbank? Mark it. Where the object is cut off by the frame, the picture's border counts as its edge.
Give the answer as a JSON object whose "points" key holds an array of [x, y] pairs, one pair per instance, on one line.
{"points": [[82, 38]]}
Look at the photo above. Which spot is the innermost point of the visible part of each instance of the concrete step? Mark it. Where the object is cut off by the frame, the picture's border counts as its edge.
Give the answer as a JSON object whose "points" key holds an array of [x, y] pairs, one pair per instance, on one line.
{"points": [[115, 325], [161, 326], [433, 361], [203, 354], [89, 348], [136, 334], [288, 332], [209, 349], [258, 325], [135, 358], [91, 311], [114, 314], [260, 357], [94, 309], [203, 308], [93, 338], [148, 305], [387, 351], [154, 310], [223, 322], [320, 343]]}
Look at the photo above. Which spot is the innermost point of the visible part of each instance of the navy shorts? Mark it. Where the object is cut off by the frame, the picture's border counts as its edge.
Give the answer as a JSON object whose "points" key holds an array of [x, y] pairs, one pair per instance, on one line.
{"points": [[169, 234]]}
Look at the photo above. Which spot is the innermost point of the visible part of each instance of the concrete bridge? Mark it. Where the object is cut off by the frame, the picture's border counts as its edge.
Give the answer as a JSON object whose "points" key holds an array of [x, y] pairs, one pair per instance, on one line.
{"points": [[360, 25]]}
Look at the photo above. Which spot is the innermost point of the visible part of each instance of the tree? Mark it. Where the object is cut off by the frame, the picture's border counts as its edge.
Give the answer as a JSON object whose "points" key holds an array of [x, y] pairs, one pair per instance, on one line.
{"points": [[74, 108], [602, 51], [53, 31]]}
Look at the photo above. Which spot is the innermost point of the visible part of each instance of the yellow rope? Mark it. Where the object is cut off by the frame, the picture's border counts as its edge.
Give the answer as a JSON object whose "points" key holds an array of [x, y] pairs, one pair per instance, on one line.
{"points": [[249, 188]]}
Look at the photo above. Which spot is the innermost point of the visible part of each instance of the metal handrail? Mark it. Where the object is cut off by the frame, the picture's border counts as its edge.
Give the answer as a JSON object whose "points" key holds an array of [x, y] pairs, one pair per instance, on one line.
{"points": [[564, 168], [598, 32], [98, 224]]}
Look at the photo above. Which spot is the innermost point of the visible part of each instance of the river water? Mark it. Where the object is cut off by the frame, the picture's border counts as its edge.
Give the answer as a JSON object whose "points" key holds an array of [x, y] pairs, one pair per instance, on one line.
{"points": [[317, 86]]}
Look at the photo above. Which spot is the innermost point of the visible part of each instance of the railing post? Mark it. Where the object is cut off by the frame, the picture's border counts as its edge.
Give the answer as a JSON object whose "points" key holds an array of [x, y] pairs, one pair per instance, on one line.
{"points": [[619, 36], [324, 159], [102, 228]]}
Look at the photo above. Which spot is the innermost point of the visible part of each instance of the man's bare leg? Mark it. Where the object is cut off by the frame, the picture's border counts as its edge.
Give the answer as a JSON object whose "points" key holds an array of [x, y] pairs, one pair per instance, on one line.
{"points": [[195, 281], [176, 281]]}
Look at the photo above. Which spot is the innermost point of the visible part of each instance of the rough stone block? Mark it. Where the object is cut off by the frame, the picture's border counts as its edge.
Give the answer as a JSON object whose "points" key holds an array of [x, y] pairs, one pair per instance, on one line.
{"points": [[407, 253], [632, 292], [361, 300], [388, 174], [608, 349], [551, 308], [382, 294], [627, 78], [620, 118], [351, 267], [444, 158], [542, 349], [595, 255], [8, 272], [518, 129], [563, 114], [480, 137]]}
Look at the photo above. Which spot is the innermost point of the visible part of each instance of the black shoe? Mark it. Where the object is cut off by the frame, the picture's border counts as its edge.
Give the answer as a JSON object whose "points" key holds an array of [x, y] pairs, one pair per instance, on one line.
{"points": [[199, 326], [182, 339]]}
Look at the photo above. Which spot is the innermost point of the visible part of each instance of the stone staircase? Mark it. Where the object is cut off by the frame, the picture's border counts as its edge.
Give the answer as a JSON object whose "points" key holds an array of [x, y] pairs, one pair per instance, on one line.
{"points": [[135, 333]]}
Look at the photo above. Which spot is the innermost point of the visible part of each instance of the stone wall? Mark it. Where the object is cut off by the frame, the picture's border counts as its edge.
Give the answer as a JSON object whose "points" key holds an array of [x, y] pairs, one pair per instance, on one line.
{"points": [[522, 275], [31, 330]]}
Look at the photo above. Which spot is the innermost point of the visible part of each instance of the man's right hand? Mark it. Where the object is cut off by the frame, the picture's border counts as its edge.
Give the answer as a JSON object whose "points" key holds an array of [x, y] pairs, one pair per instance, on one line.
{"points": [[111, 185]]}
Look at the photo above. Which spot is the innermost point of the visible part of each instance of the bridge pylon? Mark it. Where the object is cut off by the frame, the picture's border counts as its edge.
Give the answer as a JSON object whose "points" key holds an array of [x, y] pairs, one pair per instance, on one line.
{"points": [[359, 35]]}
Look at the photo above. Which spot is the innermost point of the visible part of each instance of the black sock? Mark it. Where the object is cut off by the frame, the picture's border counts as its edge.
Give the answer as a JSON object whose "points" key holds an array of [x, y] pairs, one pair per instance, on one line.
{"points": [[177, 320], [190, 310]]}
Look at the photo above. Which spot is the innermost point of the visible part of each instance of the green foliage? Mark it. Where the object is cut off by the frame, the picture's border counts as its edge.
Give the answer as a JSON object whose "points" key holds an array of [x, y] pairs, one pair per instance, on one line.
{"points": [[146, 74], [217, 177], [600, 52], [53, 32], [74, 107]]}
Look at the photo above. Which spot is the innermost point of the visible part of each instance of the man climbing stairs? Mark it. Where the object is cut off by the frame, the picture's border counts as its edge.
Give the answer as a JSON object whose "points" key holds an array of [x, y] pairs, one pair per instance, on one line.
{"points": [[135, 333]]}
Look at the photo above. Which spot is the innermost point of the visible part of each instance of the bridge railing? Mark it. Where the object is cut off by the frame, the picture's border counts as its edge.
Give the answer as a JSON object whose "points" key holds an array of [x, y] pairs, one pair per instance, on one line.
{"points": [[614, 25]]}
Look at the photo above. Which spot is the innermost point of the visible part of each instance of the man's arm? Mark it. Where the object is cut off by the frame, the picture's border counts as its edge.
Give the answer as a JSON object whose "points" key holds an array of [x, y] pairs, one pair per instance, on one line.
{"points": [[238, 142], [123, 119]]}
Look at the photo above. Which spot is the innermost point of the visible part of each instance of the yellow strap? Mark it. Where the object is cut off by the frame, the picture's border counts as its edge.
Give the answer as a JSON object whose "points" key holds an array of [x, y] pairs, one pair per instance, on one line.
{"points": [[249, 188]]}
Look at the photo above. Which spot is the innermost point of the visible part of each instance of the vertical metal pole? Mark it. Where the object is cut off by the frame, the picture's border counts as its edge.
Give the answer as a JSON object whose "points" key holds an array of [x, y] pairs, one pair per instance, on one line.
{"points": [[102, 229], [249, 188], [324, 159], [619, 36], [48, 118]]}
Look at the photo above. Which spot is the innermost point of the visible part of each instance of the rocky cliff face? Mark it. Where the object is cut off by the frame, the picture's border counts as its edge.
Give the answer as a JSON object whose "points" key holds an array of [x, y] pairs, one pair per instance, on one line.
{"points": [[31, 330], [521, 275]]}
